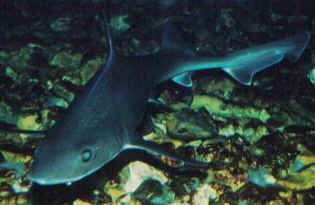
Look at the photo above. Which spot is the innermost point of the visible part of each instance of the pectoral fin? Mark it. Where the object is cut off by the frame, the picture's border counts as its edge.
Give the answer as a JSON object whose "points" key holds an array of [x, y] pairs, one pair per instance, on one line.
{"points": [[244, 71], [173, 160]]}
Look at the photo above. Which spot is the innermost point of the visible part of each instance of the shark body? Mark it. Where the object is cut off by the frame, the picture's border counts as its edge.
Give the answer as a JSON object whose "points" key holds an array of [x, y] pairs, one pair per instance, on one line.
{"points": [[102, 121]]}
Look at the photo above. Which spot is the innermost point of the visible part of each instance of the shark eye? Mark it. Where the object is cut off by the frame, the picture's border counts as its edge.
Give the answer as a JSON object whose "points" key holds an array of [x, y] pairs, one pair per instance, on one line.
{"points": [[86, 154]]}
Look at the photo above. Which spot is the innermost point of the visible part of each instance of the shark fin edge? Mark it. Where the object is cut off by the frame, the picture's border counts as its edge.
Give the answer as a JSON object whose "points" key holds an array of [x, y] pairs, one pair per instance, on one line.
{"points": [[159, 153], [244, 73], [183, 79]]}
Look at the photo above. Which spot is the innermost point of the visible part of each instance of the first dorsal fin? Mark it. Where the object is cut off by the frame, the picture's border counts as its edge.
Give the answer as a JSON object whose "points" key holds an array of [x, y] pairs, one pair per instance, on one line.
{"points": [[109, 36], [105, 24]]}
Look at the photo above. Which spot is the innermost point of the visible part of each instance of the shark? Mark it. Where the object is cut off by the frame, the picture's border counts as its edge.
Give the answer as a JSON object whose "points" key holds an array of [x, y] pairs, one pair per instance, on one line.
{"points": [[101, 122]]}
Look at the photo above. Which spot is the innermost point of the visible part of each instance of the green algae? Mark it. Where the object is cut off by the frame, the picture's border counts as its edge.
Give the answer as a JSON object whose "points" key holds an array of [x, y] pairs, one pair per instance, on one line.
{"points": [[250, 133], [60, 24], [119, 23], [28, 122], [19, 59], [311, 76], [6, 114], [67, 60], [153, 192], [188, 125], [300, 174], [88, 70], [56, 102], [11, 73], [299, 181], [218, 87]]}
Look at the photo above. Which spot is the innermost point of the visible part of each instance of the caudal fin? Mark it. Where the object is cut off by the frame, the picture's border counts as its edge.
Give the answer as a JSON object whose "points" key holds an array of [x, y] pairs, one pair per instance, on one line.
{"points": [[246, 63], [299, 43]]}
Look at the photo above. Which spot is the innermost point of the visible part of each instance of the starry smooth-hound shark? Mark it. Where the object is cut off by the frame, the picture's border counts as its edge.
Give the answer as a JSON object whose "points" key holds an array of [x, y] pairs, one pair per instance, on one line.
{"points": [[101, 122]]}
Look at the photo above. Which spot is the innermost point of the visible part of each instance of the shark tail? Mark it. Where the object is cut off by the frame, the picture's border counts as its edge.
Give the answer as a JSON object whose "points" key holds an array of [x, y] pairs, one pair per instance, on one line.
{"points": [[299, 43], [269, 55]]}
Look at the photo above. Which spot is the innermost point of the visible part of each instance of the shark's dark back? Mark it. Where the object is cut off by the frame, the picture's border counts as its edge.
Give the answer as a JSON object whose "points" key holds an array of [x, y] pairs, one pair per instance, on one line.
{"points": [[116, 97]]}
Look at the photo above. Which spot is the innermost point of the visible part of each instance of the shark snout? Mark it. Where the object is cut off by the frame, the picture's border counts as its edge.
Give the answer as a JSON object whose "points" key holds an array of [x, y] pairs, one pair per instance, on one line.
{"points": [[45, 180], [38, 178]]}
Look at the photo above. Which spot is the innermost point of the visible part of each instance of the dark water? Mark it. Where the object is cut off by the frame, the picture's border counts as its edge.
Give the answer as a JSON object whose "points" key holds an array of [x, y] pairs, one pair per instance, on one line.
{"points": [[263, 135]]}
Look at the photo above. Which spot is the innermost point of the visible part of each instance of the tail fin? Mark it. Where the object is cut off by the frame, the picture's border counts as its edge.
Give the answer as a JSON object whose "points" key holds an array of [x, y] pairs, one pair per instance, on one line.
{"points": [[246, 63], [299, 43]]}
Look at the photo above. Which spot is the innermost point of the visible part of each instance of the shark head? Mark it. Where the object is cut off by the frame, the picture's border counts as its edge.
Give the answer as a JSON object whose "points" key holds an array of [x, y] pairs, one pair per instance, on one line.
{"points": [[60, 160]]}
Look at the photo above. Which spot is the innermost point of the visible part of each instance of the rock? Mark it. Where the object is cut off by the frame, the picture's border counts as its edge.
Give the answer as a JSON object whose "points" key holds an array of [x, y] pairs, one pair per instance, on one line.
{"points": [[55, 102], [188, 125], [251, 134], [222, 87], [11, 73], [61, 24], [88, 70], [154, 137], [115, 193], [216, 106], [155, 193], [299, 181], [261, 177], [225, 177], [119, 23], [133, 175], [300, 175], [66, 60], [6, 114], [204, 194], [29, 122], [311, 76], [15, 200], [19, 59], [81, 202]]}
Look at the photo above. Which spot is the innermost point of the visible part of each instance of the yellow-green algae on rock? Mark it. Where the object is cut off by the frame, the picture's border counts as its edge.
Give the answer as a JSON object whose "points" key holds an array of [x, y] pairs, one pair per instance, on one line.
{"points": [[188, 124], [66, 59], [19, 59], [216, 106], [89, 69], [301, 173], [139, 181], [32, 122]]}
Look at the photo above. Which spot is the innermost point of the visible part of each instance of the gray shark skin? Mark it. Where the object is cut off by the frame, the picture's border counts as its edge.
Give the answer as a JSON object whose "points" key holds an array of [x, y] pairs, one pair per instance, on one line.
{"points": [[101, 122]]}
